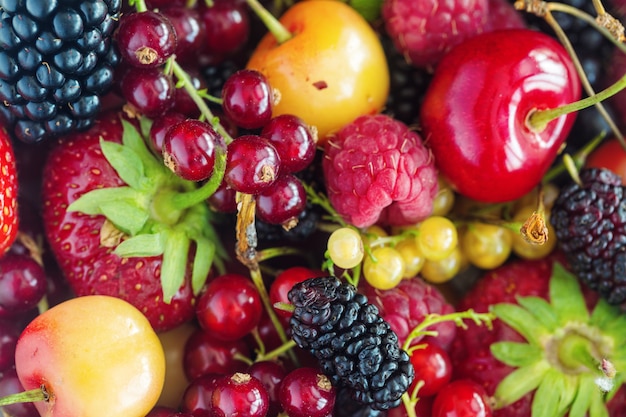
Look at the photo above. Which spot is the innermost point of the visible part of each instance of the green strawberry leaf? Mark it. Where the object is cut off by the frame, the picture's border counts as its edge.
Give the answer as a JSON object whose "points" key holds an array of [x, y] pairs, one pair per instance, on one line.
{"points": [[125, 161], [90, 202], [605, 314], [521, 320], [548, 396], [566, 296], [125, 215], [132, 138], [582, 400], [202, 261], [520, 382], [542, 310], [175, 253], [616, 328], [597, 408], [141, 245], [516, 354]]}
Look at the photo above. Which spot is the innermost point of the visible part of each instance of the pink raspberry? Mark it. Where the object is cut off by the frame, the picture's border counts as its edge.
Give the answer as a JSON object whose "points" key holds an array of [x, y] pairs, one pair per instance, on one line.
{"points": [[502, 15], [377, 170], [406, 305], [424, 30]]}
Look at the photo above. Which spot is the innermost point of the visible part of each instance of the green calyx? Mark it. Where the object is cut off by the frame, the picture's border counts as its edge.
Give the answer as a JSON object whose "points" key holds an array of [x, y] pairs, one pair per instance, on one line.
{"points": [[156, 212], [570, 355]]}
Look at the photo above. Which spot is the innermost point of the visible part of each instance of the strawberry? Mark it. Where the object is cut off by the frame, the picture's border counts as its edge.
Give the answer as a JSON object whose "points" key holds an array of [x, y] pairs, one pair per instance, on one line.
{"points": [[120, 223], [8, 193], [545, 352]]}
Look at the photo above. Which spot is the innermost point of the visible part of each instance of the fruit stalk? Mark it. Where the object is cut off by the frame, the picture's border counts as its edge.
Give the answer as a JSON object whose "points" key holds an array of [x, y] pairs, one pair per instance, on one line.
{"points": [[273, 25], [30, 396]]}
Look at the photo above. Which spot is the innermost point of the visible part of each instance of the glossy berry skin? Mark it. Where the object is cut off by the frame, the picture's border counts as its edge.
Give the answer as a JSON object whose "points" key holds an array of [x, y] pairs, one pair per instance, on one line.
{"points": [[252, 164], [230, 307], [197, 396], [432, 366], [294, 141], [189, 30], [8, 193], [9, 332], [461, 398], [610, 155], [476, 108], [146, 40], [282, 202], [227, 27], [247, 99], [23, 283], [190, 148], [223, 200], [239, 394], [159, 128], [150, 91], [205, 354], [306, 392], [271, 375]]}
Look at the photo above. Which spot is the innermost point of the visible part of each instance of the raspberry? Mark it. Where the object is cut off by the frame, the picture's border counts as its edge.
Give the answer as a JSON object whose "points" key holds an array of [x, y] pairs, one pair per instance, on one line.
{"points": [[424, 30], [56, 61], [406, 305], [377, 169], [590, 224], [355, 347]]}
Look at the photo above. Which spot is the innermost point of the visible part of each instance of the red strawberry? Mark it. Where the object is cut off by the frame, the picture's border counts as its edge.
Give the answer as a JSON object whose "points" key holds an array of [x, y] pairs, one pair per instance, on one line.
{"points": [[114, 229], [8, 193], [542, 312]]}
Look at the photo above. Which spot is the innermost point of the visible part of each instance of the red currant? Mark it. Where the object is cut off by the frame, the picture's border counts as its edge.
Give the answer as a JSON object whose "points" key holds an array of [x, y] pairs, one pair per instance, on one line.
{"points": [[271, 375], [189, 29], [462, 398], [205, 354], [247, 99], [227, 27], [306, 392], [279, 288], [252, 164], [150, 91], [23, 283], [239, 395], [432, 366], [293, 139], [145, 40], [197, 396], [159, 128], [283, 202]]}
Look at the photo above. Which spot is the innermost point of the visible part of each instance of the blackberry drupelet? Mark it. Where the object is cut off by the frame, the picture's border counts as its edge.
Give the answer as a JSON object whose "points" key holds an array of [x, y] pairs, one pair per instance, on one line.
{"points": [[590, 224], [56, 61], [355, 347]]}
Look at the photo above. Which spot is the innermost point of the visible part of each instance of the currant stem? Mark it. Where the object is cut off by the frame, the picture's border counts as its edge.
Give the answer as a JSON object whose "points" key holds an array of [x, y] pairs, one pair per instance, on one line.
{"points": [[273, 25], [188, 199], [30, 396], [409, 405], [539, 119]]}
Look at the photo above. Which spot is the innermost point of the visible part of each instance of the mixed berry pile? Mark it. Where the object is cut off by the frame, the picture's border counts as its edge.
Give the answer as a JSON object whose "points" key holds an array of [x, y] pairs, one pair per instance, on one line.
{"points": [[381, 208]]}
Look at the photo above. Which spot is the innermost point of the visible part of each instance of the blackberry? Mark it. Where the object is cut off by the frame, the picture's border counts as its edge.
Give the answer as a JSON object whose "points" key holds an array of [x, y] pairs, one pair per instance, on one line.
{"points": [[355, 347], [307, 224], [57, 59], [590, 224]]}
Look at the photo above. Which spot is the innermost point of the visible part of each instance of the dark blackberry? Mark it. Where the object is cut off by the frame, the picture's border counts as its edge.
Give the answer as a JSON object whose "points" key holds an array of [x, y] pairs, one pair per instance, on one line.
{"points": [[407, 85], [216, 75], [345, 406], [56, 61], [590, 224], [355, 347], [307, 224]]}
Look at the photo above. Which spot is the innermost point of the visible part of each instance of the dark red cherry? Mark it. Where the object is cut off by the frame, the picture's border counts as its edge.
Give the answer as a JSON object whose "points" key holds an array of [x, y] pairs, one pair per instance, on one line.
{"points": [[227, 27], [189, 29], [462, 398], [150, 91], [306, 392], [23, 283], [432, 366], [239, 394], [159, 128], [248, 99], [206, 354], [252, 164], [282, 202], [293, 139], [284, 282], [146, 39]]}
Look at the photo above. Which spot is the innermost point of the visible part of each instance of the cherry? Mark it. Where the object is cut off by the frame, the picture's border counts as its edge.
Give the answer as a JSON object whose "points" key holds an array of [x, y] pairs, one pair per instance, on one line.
{"points": [[247, 99], [462, 398], [23, 283], [284, 281], [252, 164], [159, 128], [271, 375], [183, 102], [190, 148], [610, 155], [432, 366], [205, 354], [9, 333], [230, 307], [306, 392], [478, 114], [163, 411], [293, 139], [197, 396], [227, 26], [150, 91], [239, 394], [146, 39], [282, 202], [223, 199], [189, 29]]}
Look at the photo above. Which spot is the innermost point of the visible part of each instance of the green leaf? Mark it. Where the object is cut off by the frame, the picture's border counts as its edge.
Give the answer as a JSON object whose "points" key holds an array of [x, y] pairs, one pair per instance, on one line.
{"points": [[174, 266], [566, 296], [548, 396], [369, 9], [521, 320], [604, 314], [520, 382], [516, 354], [140, 245], [582, 400], [542, 310], [125, 215], [90, 202], [202, 261], [597, 407], [616, 328], [125, 161], [133, 139]]}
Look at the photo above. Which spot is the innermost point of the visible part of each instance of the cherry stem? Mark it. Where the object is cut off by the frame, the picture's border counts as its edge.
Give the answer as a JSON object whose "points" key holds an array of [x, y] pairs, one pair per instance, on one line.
{"points": [[539, 119], [409, 405], [279, 351], [271, 23], [30, 396]]}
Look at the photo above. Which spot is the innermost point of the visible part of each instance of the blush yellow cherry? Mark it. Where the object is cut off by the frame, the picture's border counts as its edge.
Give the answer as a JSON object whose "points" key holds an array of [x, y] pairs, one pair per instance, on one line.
{"points": [[332, 69], [95, 356]]}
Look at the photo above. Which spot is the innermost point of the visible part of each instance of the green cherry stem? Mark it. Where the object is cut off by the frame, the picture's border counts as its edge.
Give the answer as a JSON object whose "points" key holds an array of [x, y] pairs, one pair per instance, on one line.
{"points": [[30, 396], [539, 119], [273, 25]]}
